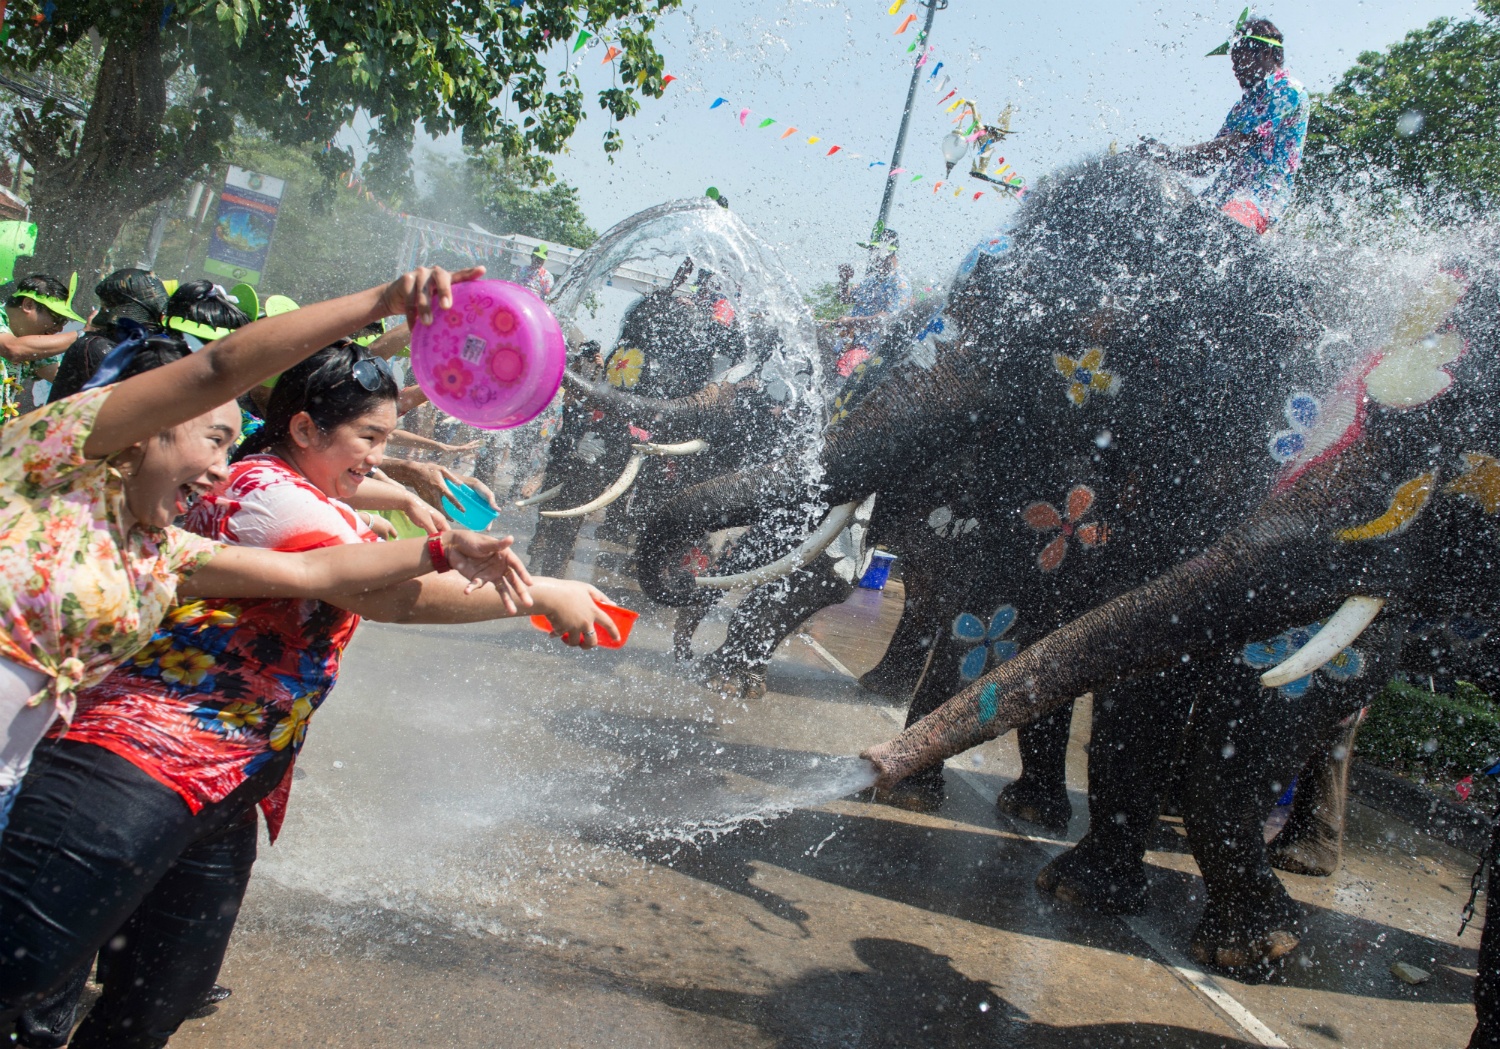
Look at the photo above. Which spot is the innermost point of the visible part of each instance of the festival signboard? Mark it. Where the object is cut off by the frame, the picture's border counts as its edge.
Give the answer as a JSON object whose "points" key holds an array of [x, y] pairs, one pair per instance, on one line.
{"points": [[241, 238]]}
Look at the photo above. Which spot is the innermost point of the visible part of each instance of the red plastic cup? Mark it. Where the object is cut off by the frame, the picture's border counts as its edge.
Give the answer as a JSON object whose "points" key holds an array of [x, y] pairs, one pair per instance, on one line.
{"points": [[623, 619]]}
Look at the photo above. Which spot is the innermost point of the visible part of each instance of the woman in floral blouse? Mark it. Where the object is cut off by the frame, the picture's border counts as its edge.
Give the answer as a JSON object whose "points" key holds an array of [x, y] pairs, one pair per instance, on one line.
{"points": [[206, 721], [89, 487]]}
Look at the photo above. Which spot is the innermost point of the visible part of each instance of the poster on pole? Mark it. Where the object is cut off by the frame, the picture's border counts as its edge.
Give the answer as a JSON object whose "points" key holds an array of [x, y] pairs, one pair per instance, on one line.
{"points": [[242, 231]]}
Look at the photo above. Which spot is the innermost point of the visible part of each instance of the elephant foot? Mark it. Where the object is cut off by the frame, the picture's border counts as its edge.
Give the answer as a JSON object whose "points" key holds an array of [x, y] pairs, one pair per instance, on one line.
{"points": [[1046, 808], [1086, 876], [1234, 938], [921, 792], [1310, 853]]}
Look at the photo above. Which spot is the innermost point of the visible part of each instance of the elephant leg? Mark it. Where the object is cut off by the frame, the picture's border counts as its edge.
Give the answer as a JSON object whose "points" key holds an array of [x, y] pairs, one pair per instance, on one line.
{"points": [[1133, 724], [1243, 750], [1040, 795], [766, 617], [900, 669], [1312, 841]]}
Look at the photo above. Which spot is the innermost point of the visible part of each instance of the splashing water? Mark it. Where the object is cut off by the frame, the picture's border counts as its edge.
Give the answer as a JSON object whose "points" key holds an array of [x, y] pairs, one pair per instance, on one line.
{"points": [[479, 791]]}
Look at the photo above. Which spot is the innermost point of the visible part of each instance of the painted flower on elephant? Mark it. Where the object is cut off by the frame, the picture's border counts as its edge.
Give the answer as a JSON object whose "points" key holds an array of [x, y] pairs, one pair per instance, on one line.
{"points": [[1086, 376], [850, 553], [695, 561], [1263, 655], [623, 370], [1044, 517], [988, 638], [1413, 366], [1302, 412], [454, 378], [936, 337], [949, 525], [1480, 481]]}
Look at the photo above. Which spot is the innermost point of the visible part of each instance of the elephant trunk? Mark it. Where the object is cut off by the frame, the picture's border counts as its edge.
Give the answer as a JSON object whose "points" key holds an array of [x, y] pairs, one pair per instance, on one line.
{"points": [[1187, 609], [695, 411]]}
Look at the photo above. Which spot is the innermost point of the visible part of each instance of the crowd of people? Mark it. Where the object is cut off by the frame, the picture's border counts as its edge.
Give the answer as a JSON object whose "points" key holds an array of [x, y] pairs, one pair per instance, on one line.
{"points": [[191, 536]]}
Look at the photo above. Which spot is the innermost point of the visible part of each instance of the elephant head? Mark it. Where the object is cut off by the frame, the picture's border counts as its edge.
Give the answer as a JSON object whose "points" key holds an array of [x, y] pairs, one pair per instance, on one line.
{"points": [[1389, 493], [676, 380]]}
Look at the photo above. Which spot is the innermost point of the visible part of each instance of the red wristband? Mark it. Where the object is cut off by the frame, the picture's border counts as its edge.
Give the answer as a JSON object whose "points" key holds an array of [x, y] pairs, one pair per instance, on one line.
{"points": [[435, 551]]}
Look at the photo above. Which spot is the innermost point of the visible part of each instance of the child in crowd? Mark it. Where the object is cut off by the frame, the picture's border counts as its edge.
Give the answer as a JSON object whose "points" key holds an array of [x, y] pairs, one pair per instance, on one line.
{"points": [[32, 336]]}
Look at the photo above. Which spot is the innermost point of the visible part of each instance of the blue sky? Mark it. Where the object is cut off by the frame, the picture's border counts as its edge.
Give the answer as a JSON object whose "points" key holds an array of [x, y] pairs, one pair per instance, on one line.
{"points": [[1080, 74]]}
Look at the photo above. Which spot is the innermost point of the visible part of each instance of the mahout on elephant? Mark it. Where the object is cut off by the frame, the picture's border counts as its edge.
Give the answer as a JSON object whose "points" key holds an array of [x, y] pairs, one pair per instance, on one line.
{"points": [[1115, 369], [713, 369], [1385, 499]]}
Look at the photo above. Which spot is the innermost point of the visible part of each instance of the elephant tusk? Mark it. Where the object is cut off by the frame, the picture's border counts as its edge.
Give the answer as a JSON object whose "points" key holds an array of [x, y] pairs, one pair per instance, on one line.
{"points": [[685, 448], [541, 497], [837, 520], [1353, 616], [620, 487]]}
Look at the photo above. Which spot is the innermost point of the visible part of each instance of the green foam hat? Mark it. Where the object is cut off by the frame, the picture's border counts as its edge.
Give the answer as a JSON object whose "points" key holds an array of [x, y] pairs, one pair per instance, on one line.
{"points": [[276, 305], [246, 299], [205, 332], [61, 307], [540, 252], [1240, 34]]}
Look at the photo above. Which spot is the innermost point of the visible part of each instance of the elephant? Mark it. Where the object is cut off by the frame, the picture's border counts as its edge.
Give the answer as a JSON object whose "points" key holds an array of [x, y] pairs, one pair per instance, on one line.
{"points": [[702, 377], [1115, 370], [1385, 506]]}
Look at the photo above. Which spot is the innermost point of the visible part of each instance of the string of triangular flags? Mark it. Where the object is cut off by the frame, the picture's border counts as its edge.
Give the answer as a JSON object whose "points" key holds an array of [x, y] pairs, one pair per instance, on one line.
{"points": [[965, 109], [743, 115], [354, 183]]}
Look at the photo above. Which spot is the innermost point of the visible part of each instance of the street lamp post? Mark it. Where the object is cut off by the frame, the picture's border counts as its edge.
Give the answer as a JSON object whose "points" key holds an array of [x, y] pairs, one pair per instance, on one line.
{"points": [[933, 6]]}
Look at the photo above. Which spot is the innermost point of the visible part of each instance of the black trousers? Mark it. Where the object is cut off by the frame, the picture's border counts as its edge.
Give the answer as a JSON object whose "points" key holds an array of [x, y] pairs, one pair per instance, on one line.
{"points": [[99, 857]]}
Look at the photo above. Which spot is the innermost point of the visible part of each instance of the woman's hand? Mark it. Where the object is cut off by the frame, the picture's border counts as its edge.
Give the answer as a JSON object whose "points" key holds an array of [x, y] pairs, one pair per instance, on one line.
{"points": [[380, 526], [415, 294], [426, 479], [483, 559], [569, 606], [425, 517]]}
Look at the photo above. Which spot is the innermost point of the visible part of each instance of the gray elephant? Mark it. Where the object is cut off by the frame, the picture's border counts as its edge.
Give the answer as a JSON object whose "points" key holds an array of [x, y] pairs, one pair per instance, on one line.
{"points": [[1116, 369]]}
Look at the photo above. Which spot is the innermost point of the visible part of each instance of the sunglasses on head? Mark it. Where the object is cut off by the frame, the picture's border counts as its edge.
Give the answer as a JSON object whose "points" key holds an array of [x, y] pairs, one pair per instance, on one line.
{"points": [[370, 371]]}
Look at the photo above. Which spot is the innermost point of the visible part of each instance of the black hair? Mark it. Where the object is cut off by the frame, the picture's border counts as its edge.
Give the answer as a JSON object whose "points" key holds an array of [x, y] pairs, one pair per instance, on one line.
{"points": [[39, 284], [324, 387], [130, 294], [201, 302], [1262, 27], [156, 351]]}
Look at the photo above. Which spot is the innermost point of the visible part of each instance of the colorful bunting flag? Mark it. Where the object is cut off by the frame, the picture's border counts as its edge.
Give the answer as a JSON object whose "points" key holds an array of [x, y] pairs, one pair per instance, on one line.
{"points": [[905, 25], [583, 38], [718, 102], [832, 151], [744, 113], [611, 54], [896, 7], [668, 79], [789, 132], [766, 122]]}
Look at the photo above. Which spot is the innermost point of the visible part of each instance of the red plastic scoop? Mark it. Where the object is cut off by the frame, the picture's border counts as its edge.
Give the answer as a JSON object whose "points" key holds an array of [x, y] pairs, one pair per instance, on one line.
{"points": [[623, 619]]}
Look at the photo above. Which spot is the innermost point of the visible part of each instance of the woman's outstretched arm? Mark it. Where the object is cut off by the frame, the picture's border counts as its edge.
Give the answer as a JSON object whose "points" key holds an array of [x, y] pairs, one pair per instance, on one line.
{"points": [[145, 405]]}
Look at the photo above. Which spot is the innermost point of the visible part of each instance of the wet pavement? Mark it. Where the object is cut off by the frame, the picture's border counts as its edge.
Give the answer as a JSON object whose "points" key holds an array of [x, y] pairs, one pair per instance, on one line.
{"points": [[497, 842]]}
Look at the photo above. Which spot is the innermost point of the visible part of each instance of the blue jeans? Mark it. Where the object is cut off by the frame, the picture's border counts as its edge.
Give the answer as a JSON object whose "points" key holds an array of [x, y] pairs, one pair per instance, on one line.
{"points": [[7, 799], [100, 856]]}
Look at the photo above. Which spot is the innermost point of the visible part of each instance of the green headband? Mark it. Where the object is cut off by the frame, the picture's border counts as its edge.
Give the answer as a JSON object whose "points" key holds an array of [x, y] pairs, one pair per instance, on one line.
{"points": [[1240, 34], [61, 307]]}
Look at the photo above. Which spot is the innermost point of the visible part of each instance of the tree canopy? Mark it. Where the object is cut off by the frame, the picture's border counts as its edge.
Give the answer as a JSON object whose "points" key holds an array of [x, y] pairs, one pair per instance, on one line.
{"points": [[497, 193], [1415, 127], [176, 79]]}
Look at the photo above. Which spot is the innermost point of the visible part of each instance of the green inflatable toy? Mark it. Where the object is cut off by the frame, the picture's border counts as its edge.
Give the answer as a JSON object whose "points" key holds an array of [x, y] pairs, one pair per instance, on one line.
{"points": [[17, 239]]}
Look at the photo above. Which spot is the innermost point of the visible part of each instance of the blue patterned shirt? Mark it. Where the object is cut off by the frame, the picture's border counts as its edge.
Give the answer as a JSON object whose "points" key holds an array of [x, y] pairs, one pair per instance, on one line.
{"points": [[1274, 113]]}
